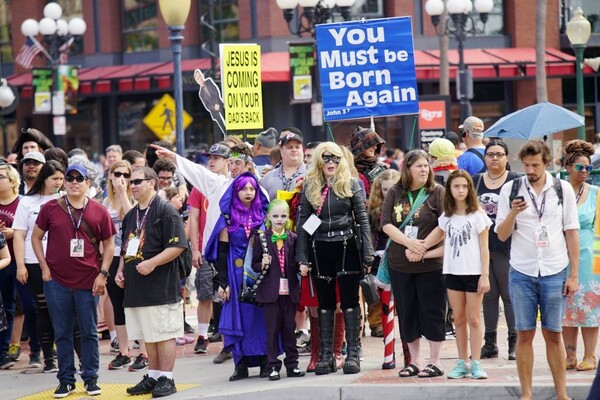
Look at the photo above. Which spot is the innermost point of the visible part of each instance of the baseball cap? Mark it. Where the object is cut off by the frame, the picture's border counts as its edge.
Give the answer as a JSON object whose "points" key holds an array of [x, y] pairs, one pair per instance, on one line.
{"points": [[473, 125], [218, 149], [268, 138], [77, 167], [291, 136], [36, 156]]}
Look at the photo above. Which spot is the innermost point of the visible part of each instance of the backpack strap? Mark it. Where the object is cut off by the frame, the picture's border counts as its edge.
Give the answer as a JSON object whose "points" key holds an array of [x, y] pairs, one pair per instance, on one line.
{"points": [[559, 190], [480, 156]]}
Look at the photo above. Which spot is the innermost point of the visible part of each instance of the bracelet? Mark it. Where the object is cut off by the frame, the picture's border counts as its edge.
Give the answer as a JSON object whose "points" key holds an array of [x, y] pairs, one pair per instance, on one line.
{"points": [[105, 273]]}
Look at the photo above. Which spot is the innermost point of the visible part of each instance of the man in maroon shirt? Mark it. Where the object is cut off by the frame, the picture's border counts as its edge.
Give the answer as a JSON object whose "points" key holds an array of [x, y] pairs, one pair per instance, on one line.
{"points": [[73, 274]]}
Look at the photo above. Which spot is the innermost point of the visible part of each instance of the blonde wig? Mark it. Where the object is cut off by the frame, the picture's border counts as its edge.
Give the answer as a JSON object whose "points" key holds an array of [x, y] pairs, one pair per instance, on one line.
{"points": [[315, 181]]}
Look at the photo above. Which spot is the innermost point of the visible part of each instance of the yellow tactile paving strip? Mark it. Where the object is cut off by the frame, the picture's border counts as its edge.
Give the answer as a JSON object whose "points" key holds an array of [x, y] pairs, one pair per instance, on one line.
{"points": [[112, 391]]}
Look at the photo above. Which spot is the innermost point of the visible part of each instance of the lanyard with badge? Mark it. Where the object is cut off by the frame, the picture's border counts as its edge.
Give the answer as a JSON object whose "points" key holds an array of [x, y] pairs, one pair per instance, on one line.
{"points": [[76, 244], [313, 222], [133, 244], [410, 230], [284, 288], [541, 233]]}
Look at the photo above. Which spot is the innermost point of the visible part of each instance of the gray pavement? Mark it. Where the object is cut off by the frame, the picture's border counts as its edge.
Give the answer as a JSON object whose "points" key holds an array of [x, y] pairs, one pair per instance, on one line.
{"points": [[211, 380]]}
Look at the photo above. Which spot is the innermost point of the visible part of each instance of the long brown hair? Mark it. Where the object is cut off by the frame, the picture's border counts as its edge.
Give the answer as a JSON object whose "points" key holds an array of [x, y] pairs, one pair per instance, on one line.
{"points": [[471, 200], [110, 189]]}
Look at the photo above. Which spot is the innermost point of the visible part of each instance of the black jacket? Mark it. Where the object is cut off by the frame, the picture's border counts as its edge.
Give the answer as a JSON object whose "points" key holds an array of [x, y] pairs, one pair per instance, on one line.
{"points": [[338, 216]]}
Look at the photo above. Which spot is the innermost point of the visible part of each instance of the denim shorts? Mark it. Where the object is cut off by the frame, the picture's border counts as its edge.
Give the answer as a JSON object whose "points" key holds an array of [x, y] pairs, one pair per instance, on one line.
{"points": [[528, 294]]}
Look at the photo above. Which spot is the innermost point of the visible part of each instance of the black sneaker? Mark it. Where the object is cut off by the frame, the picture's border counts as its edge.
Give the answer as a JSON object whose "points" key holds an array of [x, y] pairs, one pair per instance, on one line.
{"points": [[35, 360], [119, 362], [50, 366], [214, 337], [140, 363], [6, 362], [63, 390], [222, 357], [187, 328], [114, 346], [92, 387], [164, 387], [201, 345], [145, 386]]}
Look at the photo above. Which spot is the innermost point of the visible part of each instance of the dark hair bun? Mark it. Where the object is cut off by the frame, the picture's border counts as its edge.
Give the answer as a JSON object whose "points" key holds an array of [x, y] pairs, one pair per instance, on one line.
{"points": [[573, 149]]}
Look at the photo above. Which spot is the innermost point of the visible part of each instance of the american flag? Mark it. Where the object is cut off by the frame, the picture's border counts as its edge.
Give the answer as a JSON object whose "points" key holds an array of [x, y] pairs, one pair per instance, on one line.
{"points": [[28, 52], [63, 51]]}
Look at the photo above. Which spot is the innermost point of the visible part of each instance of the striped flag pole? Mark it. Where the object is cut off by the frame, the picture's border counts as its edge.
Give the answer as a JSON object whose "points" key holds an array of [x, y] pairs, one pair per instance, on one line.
{"points": [[387, 309]]}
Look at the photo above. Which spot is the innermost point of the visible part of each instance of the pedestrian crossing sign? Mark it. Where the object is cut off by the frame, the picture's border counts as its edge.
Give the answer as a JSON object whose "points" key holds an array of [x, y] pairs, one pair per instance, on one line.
{"points": [[161, 119]]}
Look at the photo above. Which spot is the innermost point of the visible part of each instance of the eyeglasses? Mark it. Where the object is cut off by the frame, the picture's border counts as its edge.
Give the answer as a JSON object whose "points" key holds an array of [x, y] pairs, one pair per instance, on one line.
{"points": [[136, 182], [494, 155], [32, 162], [581, 168], [71, 178], [118, 174], [329, 158], [165, 178]]}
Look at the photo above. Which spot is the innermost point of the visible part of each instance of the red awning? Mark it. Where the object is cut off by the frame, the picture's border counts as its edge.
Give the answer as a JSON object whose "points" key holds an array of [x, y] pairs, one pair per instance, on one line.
{"points": [[495, 63], [507, 63]]}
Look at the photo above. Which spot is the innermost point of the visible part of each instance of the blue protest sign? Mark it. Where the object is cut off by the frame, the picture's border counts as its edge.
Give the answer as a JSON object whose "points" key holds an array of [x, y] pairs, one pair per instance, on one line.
{"points": [[367, 68]]}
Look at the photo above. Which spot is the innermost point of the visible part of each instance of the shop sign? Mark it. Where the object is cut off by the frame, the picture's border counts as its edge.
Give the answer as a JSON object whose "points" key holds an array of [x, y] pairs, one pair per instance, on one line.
{"points": [[161, 119], [432, 121]]}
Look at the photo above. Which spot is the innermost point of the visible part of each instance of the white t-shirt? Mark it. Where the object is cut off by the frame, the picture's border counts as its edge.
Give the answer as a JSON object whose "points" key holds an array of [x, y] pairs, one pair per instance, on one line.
{"points": [[25, 217], [462, 255]]}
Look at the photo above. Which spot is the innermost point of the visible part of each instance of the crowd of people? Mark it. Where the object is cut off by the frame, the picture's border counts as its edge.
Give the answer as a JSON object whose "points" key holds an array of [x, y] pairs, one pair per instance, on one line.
{"points": [[285, 238]]}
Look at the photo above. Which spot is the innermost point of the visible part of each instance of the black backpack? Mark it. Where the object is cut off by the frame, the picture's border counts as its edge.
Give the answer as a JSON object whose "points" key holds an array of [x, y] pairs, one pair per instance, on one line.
{"points": [[516, 184], [184, 260]]}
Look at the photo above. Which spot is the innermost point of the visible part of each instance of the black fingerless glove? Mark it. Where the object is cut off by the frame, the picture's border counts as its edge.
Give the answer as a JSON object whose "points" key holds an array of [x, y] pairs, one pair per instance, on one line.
{"points": [[222, 277]]}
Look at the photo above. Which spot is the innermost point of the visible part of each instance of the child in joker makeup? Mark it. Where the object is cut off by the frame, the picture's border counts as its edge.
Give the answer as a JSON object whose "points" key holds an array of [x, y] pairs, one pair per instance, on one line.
{"points": [[279, 291]]}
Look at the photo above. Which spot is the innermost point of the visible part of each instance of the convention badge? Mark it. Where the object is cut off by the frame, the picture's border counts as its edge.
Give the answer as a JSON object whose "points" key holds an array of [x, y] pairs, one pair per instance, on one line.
{"points": [[411, 231], [283, 286], [76, 246], [133, 246], [312, 224], [541, 235]]}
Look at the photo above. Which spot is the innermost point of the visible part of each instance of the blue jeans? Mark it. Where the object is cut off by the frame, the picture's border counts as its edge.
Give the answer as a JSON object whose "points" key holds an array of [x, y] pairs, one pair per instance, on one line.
{"points": [[10, 287], [528, 294], [66, 305]]}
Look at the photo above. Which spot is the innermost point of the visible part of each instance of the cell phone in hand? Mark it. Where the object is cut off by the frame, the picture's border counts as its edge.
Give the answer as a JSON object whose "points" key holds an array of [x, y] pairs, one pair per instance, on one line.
{"points": [[520, 198]]}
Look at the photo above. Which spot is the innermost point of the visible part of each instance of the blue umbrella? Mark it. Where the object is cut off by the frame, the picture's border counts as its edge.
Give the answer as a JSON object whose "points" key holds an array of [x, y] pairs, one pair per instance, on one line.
{"points": [[535, 121]]}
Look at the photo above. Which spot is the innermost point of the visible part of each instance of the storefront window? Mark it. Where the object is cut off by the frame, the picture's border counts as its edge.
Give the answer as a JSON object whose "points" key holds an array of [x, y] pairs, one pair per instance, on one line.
{"points": [[5, 37], [140, 25], [495, 23], [367, 9], [226, 20]]}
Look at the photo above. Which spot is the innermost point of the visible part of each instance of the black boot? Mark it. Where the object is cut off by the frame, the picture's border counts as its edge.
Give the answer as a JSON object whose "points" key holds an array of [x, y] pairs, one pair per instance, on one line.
{"points": [[512, 344], [241, 371], [352, 319], [326, 363], [489, 349]]}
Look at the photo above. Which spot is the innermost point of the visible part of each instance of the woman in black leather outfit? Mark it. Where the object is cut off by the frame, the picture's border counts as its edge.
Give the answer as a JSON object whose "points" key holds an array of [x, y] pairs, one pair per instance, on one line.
{"points": [[334, 239]]}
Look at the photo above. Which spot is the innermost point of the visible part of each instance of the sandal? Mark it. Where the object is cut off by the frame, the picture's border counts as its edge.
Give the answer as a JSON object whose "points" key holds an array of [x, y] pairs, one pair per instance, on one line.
{"points": [[430, 371], [588, 363], [571, 360], [410, 370]]}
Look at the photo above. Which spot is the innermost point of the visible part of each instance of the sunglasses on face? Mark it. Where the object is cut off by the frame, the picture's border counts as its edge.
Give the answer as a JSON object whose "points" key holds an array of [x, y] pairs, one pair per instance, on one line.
{"points": [[136, 182], [118, 174], [581, 168], [71, 178], [329, 158], [32, 162]]}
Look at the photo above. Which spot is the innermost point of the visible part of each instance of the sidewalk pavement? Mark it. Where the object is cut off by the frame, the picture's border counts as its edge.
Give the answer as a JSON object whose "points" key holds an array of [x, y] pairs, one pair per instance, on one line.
{"points": [[197, 377]]}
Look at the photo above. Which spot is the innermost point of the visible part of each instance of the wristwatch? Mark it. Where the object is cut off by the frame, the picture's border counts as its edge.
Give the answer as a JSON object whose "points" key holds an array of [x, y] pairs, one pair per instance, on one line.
{"points": [[105, 273]]}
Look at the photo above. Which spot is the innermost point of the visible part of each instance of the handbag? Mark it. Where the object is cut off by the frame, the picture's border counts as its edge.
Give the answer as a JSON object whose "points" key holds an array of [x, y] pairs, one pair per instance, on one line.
{"points": [[369, 289], [383, 273]]}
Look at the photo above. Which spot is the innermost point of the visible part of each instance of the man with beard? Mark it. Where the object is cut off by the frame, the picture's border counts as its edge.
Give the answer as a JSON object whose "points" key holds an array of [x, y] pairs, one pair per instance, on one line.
{"points": [[541, 216], [31, 164]]}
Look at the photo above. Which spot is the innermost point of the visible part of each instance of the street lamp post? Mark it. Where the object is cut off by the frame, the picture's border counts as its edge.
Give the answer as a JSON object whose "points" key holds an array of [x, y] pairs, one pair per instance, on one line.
{"points": [[175, 14], [460, 23], [58, 35], [578, 31]]}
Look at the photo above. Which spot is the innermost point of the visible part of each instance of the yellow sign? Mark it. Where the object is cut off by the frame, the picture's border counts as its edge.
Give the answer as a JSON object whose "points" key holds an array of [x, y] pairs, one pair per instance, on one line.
{"points": [[242, 87], [161, 119]]}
